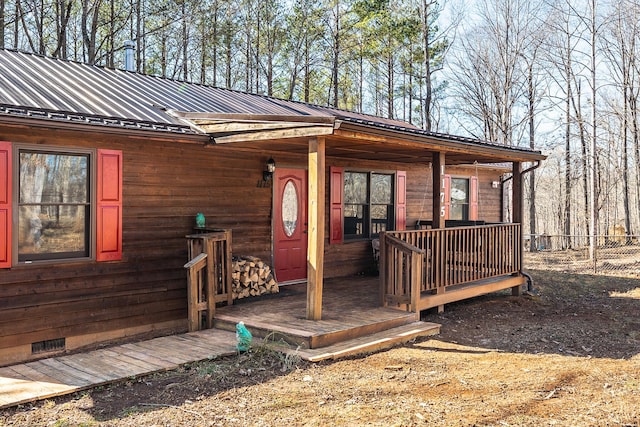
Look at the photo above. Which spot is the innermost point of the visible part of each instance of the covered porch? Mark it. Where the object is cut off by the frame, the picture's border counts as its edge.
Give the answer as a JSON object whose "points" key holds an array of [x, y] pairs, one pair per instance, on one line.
{"points": [[419, 269]]}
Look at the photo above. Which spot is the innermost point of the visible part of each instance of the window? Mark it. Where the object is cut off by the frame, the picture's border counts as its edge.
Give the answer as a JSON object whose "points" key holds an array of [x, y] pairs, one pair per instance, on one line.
{"points": [[459, 199], [59, 204], [363, 204], [368, 204], [54, 209]]}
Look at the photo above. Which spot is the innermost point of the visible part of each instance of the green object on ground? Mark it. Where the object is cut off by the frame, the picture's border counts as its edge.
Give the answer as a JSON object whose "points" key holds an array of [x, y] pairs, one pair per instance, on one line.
{"points": [[244, 337]]}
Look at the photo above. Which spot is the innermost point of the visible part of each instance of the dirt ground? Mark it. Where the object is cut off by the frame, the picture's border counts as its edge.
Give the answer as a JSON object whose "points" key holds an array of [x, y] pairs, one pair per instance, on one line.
{"points": [[568, 356]]}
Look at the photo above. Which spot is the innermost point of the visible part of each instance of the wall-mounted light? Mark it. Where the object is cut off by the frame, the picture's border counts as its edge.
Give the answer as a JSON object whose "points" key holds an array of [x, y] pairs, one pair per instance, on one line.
{"points": [[271, 168], [495, 184]]}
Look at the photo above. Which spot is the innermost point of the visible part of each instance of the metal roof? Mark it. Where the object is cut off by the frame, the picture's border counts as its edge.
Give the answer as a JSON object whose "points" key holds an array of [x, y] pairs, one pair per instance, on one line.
{"points": [[41, 87], [34, 82]]}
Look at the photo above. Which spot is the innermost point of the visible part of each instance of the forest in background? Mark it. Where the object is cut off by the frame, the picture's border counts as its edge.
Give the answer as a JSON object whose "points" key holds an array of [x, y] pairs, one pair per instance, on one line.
{"points": [[561, 76]]}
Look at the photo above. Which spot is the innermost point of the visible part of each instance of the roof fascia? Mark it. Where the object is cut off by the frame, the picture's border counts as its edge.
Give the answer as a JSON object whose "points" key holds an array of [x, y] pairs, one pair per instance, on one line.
{"points": [[27, 122], [364, 131]]}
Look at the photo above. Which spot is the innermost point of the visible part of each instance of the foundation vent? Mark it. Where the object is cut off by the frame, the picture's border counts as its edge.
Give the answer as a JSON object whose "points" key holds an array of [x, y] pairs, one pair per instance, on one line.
{"points": [[48, 345]]}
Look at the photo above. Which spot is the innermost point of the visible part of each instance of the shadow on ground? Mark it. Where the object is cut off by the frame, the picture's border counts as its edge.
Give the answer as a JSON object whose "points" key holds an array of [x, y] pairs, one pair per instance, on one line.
{"points": [[573, 315]]}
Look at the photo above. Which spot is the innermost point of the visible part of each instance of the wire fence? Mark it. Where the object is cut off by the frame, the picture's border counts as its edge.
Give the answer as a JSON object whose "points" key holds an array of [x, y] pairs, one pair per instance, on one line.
{"points": [[615, 255]]}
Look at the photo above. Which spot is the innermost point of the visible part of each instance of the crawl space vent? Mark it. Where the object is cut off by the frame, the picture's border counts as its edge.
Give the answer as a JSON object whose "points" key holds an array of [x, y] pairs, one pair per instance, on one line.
{"points": [[47, 345]]}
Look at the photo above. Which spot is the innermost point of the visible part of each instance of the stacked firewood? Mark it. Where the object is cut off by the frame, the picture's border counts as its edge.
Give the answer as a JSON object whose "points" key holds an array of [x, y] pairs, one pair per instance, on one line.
{"points": [[252, 277]]}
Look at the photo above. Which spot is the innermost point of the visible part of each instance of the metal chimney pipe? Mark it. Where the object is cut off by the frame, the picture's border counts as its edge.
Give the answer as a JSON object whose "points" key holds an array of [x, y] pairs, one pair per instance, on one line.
{"points": [[129, 63]]}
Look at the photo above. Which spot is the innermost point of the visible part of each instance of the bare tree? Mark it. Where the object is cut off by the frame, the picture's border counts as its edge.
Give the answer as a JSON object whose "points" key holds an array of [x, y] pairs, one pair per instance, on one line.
{"points": [[490, 76]]}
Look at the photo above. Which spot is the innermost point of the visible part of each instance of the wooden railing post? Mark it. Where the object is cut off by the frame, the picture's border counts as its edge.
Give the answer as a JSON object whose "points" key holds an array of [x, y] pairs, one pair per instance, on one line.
{"points": [[416, 277], [208, 276], [194, 287], [382, 268]]}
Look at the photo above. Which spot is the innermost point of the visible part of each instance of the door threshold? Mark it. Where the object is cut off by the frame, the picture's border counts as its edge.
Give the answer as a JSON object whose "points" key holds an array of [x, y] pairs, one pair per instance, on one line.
{"points": [[292, 282]]}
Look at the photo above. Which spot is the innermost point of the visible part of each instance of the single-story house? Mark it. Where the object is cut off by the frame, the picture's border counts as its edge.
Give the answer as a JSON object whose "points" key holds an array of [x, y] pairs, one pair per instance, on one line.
{"points": [[103, 171]]}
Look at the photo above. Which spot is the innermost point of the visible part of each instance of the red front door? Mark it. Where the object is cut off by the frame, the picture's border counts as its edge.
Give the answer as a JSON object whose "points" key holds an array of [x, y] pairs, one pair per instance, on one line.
{"points": [[290, 225]]}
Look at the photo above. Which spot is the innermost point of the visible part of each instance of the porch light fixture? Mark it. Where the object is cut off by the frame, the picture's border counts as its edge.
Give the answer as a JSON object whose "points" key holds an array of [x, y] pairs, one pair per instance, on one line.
{"points": [[271, 168]]}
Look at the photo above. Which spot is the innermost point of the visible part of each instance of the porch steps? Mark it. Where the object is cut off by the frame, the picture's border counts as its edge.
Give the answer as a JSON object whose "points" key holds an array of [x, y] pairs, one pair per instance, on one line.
{"points": [[370, 343], [311, 334]]}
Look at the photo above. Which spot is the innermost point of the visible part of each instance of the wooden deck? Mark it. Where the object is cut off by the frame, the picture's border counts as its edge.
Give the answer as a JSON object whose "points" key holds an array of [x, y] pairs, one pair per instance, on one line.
{"points": [[61, 375]]}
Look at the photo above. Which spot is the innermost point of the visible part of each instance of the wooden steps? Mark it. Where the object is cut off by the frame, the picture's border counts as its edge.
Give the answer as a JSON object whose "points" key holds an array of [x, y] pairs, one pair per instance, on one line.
{"points": [[316, 333], [370, 343]]}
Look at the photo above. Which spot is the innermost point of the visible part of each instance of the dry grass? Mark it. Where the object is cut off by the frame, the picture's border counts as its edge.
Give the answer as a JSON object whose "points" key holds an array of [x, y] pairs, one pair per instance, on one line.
{"points": [[568, 356]]}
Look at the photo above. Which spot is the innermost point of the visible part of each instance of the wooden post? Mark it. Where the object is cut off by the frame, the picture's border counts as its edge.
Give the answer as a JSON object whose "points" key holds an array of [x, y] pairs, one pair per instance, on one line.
{"points": [[438, 172], [228, 270], [315, 251], [416, 269], [212, 279], [517, 215], [382, 269]]}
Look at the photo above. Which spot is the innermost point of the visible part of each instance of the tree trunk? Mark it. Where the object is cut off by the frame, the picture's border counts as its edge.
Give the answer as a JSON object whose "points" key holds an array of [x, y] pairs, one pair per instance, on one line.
{"points": [[427, 66], [307, 71], [336, 56], [532, 175], [567, 161], [185, 44]]}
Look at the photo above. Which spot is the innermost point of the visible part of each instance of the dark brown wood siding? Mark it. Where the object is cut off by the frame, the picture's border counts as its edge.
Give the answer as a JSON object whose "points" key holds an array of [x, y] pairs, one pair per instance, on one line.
{"points": [[356, 257], [164, 185]]}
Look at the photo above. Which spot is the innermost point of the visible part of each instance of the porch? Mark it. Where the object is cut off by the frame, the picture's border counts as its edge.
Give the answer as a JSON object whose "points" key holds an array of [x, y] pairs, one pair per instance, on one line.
{"points": [[419, 270]]}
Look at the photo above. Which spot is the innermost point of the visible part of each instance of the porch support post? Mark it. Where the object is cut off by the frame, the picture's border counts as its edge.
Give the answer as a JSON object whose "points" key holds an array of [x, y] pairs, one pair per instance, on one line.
{"points": [[315, 251], [438, 172], [437, 217], [517, 198]]}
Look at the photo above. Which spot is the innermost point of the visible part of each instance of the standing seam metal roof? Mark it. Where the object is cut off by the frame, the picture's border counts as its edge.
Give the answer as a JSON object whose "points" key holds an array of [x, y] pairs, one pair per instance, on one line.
{"points": [[37, 86], [38, 82]]}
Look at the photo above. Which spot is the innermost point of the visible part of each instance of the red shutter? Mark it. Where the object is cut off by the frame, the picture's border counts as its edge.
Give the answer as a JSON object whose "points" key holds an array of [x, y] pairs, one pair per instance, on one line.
{"points": [[473, 198], [401, 200], [336, 217], [109, 209], [447, 196], [5, 204]]}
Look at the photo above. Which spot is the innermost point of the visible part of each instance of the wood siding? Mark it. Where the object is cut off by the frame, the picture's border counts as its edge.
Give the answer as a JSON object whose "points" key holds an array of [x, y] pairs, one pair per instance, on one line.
{"points": [[356, 257], [164, 185]]}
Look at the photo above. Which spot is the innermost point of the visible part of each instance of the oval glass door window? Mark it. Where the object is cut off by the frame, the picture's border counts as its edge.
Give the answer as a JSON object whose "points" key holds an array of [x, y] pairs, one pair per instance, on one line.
{"points": [[289, 209]]}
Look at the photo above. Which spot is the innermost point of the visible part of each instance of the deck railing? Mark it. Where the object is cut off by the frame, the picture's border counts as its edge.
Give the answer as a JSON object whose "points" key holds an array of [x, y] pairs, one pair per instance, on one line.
{"points": [[208, 276], [453, 256], [401, 269]]}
